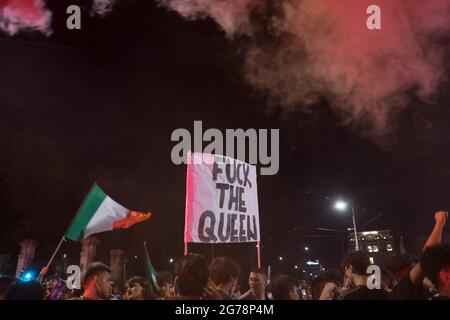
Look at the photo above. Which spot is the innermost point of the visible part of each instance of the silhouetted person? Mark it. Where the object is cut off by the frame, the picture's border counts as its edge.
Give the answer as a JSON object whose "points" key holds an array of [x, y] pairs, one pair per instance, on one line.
{"points": [[165, 284], [97, 282], [257, 280], [410, 286], [138, 288], [283, 287], [192, 277], [19, 290], [224, 273], [435, 262], [5, 282], [355, 267]]}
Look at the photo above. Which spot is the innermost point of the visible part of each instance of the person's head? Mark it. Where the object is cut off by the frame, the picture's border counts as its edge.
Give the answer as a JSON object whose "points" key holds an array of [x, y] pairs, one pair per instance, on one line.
{"points": [[19, 290], [399, 264], [191, 275], [355, 264], [97, 281], [225, 271], [165, 284], [138, 288], [52, 281], [257, 281], [283, 288], [435, 262]]}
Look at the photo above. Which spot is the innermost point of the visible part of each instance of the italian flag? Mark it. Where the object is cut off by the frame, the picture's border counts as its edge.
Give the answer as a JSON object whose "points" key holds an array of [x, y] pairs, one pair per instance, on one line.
{"points": [[100, 213]]}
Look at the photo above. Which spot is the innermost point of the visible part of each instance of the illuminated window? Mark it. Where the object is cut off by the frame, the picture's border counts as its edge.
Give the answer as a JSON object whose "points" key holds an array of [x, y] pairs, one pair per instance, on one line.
{"points": [[371, 260], [375, 248], [369, 248], [389, 247]]}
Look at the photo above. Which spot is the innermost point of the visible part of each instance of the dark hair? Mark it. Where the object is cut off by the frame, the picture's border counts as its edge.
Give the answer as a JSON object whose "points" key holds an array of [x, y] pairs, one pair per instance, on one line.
{"points": [[54, 276], [223, 269], [280, 286], [94, 269], [163, 278], [19, 290], [145, 284], [359, 262], [191, 274], [433, 260], [259, 270], [335, 276], [398, 262]]}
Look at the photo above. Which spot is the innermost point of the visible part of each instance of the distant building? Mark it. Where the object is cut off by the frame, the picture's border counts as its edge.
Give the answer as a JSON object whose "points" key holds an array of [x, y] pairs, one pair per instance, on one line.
{"points": [[311, 269], [377, 244]]}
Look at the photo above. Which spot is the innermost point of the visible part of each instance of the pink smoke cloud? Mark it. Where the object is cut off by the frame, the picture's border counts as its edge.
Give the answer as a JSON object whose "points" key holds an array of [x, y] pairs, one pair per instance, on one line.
{"points": [[322, 48], [19, 15], [102, 7], [231, 15]]}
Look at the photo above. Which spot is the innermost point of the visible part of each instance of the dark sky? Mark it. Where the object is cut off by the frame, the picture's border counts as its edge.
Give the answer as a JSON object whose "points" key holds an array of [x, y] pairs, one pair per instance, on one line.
{"points": [[99, 105]]}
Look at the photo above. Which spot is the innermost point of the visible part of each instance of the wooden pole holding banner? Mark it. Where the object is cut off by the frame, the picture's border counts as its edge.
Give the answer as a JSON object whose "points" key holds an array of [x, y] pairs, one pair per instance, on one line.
{"points": [[258, 249], [185, 248], [45, 269]]}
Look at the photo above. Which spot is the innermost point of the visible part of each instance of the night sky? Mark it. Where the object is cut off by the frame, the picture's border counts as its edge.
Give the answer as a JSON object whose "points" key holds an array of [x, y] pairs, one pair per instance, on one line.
{"points": [[99, 105]]}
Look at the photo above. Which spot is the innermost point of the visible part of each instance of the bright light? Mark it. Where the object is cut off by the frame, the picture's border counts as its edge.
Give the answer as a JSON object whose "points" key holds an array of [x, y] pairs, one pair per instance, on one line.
{"points": [[27, 276], [306, 248], [171, 260], [280, 258], [310, 274], [296, 267], [340, 205], [312, 263], [135, 257], [365, 233]]}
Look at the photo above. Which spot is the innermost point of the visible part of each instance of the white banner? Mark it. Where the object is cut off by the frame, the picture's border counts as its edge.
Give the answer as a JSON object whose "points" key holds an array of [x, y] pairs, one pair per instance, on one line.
{"points": [[221, 200]]}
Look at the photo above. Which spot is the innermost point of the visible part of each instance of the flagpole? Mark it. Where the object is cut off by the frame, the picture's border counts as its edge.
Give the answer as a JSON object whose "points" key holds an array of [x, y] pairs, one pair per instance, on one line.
{"points": [[41, 274], [185, 248], [258, 248]]}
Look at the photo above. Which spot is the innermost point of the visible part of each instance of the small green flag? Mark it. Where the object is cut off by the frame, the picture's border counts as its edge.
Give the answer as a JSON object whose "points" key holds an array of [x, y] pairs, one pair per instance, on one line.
{"points": [[149, 269]]}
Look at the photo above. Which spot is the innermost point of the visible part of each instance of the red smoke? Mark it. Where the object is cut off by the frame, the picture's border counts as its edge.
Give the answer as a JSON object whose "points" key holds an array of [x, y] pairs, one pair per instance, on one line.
{"points": [[321, 48], [18, 15]]}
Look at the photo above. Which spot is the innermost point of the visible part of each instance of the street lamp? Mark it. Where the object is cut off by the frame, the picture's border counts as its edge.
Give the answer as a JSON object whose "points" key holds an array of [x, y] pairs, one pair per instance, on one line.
{"points": [[342, 206]]}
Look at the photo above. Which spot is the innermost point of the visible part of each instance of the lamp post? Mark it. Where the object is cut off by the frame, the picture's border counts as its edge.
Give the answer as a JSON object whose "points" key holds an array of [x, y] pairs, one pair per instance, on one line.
{"points": [[342, 206]]}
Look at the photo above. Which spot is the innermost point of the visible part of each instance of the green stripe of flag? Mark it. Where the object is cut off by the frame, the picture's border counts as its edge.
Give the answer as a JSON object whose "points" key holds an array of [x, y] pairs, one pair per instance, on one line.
{"points": [[149, 269], [90, 205]]}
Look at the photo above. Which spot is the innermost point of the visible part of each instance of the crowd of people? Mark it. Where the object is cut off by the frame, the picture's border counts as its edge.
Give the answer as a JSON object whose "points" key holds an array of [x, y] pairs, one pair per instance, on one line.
{"points": [[403, 277]]}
